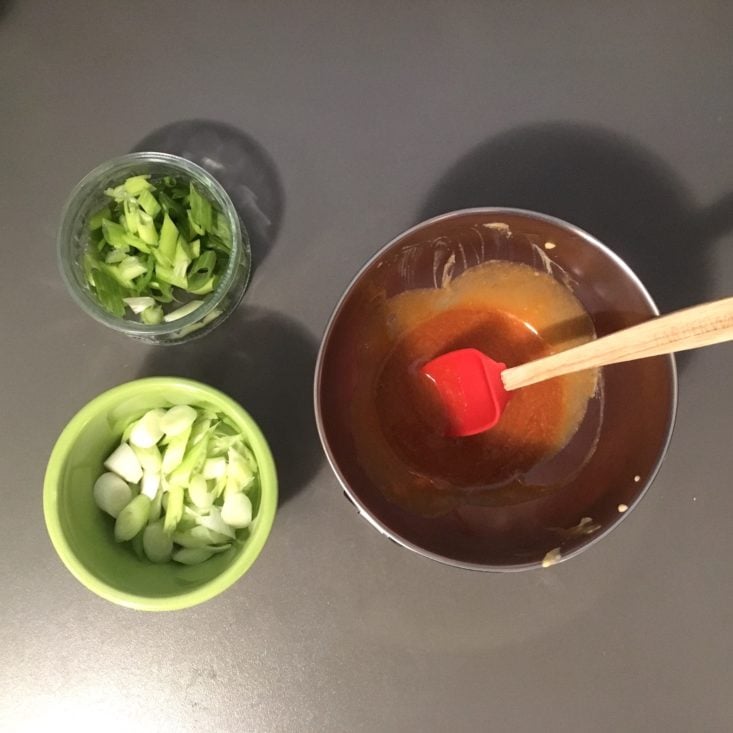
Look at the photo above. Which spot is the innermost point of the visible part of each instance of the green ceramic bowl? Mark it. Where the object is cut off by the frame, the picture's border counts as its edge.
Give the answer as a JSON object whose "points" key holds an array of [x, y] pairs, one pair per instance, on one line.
{"points": [[83, 535]]}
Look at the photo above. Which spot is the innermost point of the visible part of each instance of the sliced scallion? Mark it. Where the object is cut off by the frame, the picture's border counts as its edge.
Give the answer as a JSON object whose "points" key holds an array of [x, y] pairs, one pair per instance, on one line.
{"points": [[191, 500]]}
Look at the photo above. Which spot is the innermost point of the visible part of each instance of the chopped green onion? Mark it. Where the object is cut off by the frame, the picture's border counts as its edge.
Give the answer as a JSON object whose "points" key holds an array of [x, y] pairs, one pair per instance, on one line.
{"points": [[200, 211], [156, 506], [135, 185], [174, 452], [239, 475], [184, 310], [148, 203], [95, 222], [198, 491], [237, 510], [152, 315], [109, 292], [213, 521], [146, 229], [138, 305], [193, 461], [192, 556], [132, 518], [215, 468], [124, 463], [177, 419], [191, 501], [148, 430], [157, 544], [129, 269], [111, 493], [174, 510], [115, 256], [150, 485], [115, 234], [150, 458], [131, 213], [187, 240], [196, 537], [168, 238]]}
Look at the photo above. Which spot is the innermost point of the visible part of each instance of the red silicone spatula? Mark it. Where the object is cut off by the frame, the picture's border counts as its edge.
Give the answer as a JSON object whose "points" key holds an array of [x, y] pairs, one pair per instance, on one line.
{"points": [[474, 389]]}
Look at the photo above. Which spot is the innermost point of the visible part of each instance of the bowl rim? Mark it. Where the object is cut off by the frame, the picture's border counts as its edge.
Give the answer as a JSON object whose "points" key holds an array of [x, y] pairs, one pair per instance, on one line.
{"points": [[362, 510], [213, 587]]}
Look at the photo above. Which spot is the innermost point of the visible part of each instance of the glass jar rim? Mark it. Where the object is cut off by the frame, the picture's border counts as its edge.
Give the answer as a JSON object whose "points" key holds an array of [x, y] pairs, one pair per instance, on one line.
{"points": [[73, 209]]}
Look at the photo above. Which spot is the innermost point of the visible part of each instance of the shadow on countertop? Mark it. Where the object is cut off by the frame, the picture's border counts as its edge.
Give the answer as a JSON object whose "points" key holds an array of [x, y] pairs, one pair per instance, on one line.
{"points": [[606, 184], [265, 361], [5, 7], [242, 166]]}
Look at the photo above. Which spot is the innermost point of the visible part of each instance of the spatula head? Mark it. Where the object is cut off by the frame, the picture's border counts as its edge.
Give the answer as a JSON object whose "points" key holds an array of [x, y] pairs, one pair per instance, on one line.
{"points": [[470, 388]]}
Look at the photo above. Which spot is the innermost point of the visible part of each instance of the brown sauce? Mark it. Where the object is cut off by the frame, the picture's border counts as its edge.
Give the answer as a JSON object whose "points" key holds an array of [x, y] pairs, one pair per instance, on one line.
{"points": [[509, 311], [412, 418]]}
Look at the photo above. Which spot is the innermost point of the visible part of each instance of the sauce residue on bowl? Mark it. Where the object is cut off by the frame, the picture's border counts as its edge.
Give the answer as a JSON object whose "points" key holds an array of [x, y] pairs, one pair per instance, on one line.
{"points": [[511, 312]]}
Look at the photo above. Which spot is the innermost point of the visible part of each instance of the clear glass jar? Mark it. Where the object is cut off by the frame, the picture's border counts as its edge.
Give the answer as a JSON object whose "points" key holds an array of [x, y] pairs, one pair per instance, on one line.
{"points": [[88, 197]]}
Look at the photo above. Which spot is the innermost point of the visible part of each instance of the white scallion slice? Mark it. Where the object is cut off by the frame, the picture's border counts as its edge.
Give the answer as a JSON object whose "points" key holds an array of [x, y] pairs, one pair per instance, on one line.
{"points": [[192, 556], [214, 468], [138, 305], [112, 494], [198, 537], [150, 484], [239, 476], [124, 462], [177, 483], [147, 431], [237, 510], [198, 491], [174, 452], [200, 429], [178, 420], [218, 548], [214, 522], [157, 543], [219, 485], [183, 311], [150, 458], [132, 518], [156, 507]]}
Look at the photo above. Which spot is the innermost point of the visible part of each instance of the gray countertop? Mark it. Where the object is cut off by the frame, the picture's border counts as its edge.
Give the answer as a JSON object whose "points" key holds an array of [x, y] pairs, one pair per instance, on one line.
{"points": [[338, 125]]}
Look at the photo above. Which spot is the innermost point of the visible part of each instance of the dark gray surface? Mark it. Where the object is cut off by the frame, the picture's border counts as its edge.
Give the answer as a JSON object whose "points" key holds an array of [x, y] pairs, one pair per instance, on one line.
{"points": [[358, 120]]}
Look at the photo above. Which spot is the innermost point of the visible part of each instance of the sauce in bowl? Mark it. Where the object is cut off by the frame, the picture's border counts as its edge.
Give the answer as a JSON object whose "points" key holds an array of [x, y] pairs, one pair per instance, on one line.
{"points": [[510, 311]]}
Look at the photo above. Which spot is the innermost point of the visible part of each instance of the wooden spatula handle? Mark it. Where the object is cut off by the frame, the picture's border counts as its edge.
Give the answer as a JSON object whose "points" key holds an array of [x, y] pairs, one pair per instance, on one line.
{"points": [[691, 328]]}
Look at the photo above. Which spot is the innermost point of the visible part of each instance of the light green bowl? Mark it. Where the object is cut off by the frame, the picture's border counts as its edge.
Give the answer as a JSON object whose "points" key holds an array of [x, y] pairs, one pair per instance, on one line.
{"points": [[83, 535]]}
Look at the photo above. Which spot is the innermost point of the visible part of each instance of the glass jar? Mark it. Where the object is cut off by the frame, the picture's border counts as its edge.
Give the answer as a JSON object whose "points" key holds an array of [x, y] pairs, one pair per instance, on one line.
{"points": [[88, 197]]}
